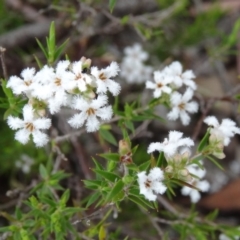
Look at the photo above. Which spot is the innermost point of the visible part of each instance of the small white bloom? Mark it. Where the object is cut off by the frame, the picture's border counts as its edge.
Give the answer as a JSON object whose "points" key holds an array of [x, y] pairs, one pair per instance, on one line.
{"points": [[90, 110], [225, 130], [24, 84], [160, 85], [151, 184], [136, 52], [179, 77], [103, 79], [30, 125], [171, 145], [181, 105], [82, 80], [203, 185]]}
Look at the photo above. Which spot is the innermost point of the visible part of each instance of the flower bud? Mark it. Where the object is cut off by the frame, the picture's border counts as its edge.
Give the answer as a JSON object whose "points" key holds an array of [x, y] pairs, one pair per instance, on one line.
{"points": [[123, 147]]}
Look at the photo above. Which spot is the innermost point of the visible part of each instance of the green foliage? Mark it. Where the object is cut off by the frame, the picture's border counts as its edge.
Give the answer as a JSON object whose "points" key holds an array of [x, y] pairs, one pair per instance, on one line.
{"points": [[112, 5], [51, 52]]}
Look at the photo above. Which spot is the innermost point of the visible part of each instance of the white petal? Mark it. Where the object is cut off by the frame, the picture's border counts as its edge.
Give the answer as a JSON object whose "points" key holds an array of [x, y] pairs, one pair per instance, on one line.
{"points": [[174, 114], [187, 95], [157, 146], [184, 118], [42, 123], [77, 120], [22, 136], [28, 113], [15, 122], [92, 124], [39, 138], [211, 121], [105, 113]]}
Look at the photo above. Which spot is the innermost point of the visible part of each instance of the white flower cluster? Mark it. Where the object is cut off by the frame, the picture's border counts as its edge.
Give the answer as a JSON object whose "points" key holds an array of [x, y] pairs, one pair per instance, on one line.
{"points": [[168, 81], [132, 66], [69, 84], [172, 147]]}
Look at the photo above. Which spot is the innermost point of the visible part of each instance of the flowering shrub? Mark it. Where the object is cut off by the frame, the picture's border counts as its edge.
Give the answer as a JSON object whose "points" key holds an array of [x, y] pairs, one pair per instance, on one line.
{"points": [[84, 89]]}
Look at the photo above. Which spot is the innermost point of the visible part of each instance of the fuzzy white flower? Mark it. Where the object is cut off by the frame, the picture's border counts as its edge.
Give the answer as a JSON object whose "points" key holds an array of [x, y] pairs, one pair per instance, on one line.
{"points": [[179, 78], [203, 185], [223, 131], [160, 85], [90, 110], [30, 125], [103, 79], [133, 70], [181, 105], [43, 78], [24, 84], [62, 82], [136, 53], [151, 184], [82, 80], [171, 145]]}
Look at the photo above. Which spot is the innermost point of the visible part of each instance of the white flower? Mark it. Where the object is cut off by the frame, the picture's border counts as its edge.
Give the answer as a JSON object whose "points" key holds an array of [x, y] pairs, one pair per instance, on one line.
{"points": [[103, 79], [133, 70], [61, 82], [223, 131], [160, 85], [181, 105], [30, 125], [23, 85], [203, 185], [81, 79], [90, 110], [171, 145], [43, 78], [151, 184], [194, 193], [179, 77], [136, 53]]}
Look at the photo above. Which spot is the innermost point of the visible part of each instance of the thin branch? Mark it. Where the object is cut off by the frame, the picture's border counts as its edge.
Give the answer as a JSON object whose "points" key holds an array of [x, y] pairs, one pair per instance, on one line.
{"points": [[2, 50]]}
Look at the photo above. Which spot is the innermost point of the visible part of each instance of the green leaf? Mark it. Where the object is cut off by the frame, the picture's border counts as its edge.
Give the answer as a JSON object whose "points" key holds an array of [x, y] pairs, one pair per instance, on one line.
{"points": [[60, 49], [110, 156], [162, 162], [51, 43], [111, 5], [107, 175], [215, 162], [42, 48], [116, 190], [38, 62], [139, 201], [107, 135], [93, 184], [144, 166], [129, 125], [204, 141], [93, 198], [65, 198], [97, 164], [102, 234], [43, 172], [211, 216]]}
